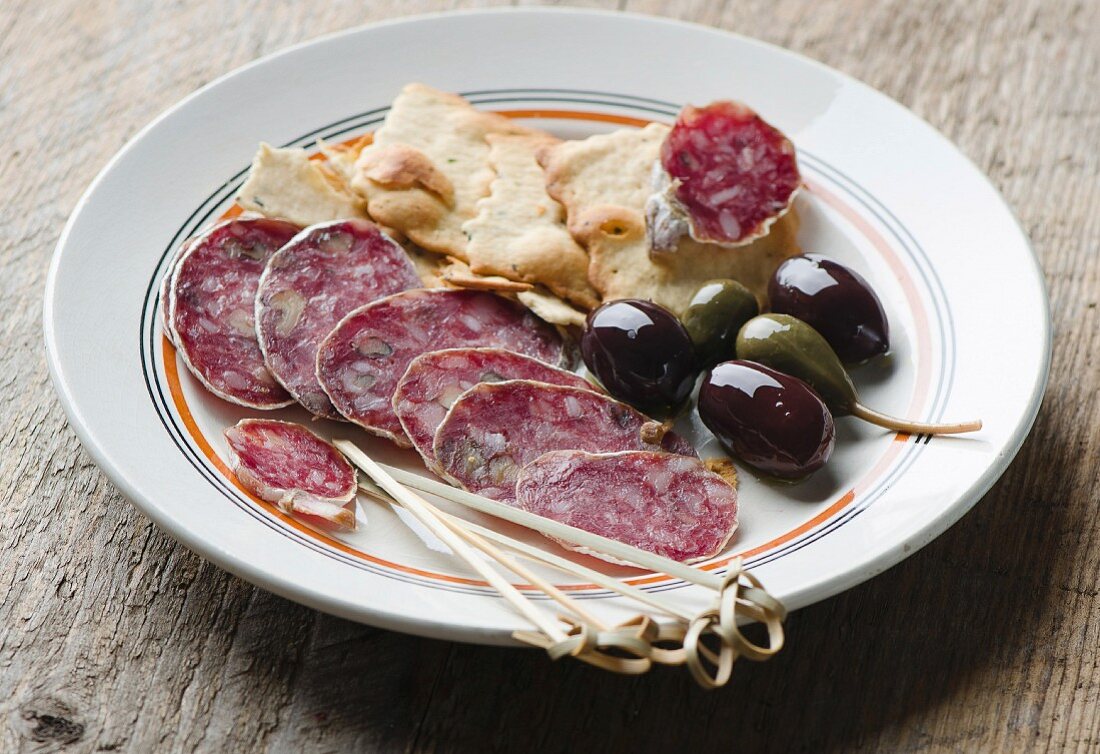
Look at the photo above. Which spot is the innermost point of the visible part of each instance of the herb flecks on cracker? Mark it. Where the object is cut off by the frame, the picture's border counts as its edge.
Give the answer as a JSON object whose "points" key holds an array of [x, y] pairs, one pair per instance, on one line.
{"points": [[286, 184], [519, 232], [440, 136]]}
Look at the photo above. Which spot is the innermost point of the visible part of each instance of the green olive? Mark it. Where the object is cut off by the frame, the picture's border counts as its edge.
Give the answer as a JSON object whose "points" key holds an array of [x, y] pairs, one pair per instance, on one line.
{"points": [[789, 345], [716, 312]]}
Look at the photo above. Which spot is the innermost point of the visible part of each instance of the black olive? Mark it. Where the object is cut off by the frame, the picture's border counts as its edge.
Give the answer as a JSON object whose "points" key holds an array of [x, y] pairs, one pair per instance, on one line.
{"points": [[771, 421], [833, 300], [640, 352]]}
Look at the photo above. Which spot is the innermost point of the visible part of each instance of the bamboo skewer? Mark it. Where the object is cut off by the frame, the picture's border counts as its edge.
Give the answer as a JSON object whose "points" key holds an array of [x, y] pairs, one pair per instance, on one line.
{"points": [[585, 640], [583, 572], [563, 564], [522, 571], [422, 510], [676, 632], [663, 633], [550, 527], [629, 638]]}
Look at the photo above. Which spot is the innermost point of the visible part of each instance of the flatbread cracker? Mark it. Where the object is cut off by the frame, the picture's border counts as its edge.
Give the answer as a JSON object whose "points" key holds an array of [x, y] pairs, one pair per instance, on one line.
{"points": [[341, 157], [429, 166], [519, 232], [603, 182], [428, 266], [457, 273], [550, 308], [285, 183], [622, 266], [606, 170]]}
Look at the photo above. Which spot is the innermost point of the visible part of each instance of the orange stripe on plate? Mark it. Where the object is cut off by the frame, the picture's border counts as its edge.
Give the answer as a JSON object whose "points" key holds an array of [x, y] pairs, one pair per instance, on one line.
{"points": [[622, 120]]}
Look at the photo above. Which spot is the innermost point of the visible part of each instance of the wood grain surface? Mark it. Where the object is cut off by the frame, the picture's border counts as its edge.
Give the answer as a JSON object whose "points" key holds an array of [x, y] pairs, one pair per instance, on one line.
{"points": [[115, 638]]}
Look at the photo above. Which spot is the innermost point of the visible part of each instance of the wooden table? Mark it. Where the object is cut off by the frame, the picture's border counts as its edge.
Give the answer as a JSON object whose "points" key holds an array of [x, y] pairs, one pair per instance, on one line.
{"points": [[115, 638]]}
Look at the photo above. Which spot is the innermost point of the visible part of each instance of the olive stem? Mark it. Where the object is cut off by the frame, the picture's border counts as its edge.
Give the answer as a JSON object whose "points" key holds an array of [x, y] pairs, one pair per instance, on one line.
{"points": [[916, 428]]}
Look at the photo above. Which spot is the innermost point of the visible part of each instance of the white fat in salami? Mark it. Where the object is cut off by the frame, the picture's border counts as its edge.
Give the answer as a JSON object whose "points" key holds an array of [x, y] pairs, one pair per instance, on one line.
{"points": [[325, 272], [435, 380], [666, 504], [360, 363], [212, 298], [724, 176], [286, 464], [494, 429]]}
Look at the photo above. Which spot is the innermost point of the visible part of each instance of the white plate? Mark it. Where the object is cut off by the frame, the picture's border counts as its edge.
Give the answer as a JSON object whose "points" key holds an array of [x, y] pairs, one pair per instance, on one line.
{"points": [[887, 195]]}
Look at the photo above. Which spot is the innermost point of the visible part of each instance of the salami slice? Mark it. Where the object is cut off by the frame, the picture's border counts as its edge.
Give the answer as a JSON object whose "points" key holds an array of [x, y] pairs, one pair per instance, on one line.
{"points": [[659, 502], [212, 305], [724, 176], [325, 272], [362, 360], [166, 292], [286, 464], [435, 380], [494, 429]]}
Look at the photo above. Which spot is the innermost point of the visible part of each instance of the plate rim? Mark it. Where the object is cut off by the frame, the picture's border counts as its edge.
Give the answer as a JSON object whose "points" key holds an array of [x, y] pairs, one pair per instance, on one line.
{"points": [[356, 610]]}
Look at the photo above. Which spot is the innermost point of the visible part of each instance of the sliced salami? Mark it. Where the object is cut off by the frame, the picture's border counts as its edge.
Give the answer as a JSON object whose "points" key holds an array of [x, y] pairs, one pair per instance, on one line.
{"points": [[494, 429], [659, 502], [286, 464], [166, 293], [325, 272], [212, 305], [435, 380], [362, 360], [724, 176]]}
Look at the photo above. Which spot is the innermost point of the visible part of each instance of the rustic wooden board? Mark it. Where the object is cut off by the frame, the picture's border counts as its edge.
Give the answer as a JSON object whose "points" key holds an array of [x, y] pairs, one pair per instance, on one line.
{"points": [[115, 638]]}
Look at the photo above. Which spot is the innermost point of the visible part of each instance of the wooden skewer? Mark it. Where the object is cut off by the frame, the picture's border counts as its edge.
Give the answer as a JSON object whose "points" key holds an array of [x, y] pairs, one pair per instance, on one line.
{"points": [[673, 633], [570, 534], [522, 571], [580, 571], [477, 536], [635, 637], [588, 640], [422, 510], [556, 561]]}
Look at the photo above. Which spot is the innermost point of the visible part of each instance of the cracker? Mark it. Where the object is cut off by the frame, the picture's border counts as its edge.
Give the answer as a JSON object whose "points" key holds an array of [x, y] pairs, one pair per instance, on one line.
{"points": [[550, 308], [622, 266], [724, 468], [429, 166], [341, 157], [606, 170], [458, 274], [519, 232], [399, 166], [604, 181], [285, 183], [428, 266], [543, 304]]}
